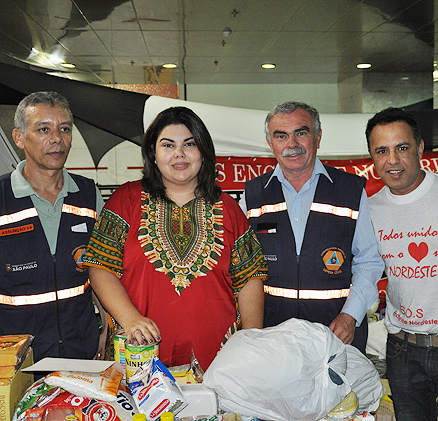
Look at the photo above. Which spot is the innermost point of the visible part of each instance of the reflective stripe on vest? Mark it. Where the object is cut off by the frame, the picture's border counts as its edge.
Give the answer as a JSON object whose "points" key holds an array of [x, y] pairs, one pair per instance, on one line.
{"points": [[334, 210], [307, 294], [25, 300], [79, 211], [256, 212], [18, 216]]}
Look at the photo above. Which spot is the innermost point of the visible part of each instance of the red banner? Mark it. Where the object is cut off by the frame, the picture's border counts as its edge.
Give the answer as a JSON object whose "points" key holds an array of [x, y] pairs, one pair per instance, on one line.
{"points": [[235, 171]]}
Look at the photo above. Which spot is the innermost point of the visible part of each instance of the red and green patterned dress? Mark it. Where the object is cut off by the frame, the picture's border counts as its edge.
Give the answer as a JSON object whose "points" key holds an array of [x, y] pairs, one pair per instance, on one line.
{"points": [[183, 267]]}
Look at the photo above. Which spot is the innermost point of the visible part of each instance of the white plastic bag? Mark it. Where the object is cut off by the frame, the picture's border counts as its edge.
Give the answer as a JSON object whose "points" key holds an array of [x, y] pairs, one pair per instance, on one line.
{"points": [[376, 343], [364, 379], [293, 371]]}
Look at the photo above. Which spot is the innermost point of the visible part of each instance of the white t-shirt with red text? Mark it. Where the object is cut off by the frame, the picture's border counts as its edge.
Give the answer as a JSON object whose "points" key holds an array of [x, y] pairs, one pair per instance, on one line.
{"points": [[406, 228]]}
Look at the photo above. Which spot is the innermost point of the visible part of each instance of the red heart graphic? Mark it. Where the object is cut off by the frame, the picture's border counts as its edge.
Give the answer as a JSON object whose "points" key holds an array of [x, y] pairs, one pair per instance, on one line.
{"points": [[418, 252]]}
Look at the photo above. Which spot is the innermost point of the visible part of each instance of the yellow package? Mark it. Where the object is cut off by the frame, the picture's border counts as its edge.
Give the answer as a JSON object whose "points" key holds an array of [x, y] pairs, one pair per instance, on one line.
{"points": [[13, 348], [183, 374]]}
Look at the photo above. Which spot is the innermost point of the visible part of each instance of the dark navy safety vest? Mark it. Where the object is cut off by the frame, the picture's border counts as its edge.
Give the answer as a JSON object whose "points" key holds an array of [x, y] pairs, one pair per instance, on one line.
{"points": [[44, 295], [314, 285]]}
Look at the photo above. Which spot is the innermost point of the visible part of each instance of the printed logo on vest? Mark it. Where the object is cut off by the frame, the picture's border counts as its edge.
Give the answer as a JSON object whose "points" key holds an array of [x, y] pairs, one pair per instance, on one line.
{"points": [[333, 259], [78, 253], [16, 230], [271, 257], [20, 267]]}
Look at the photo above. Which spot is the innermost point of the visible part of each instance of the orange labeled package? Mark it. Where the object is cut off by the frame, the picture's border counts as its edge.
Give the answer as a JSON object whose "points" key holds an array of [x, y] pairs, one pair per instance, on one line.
{"points": [[103, 385]]}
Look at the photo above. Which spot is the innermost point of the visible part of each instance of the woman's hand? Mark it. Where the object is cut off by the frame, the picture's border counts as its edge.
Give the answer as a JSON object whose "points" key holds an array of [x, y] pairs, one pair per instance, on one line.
{"points": [[113, 296], [142, 330]]}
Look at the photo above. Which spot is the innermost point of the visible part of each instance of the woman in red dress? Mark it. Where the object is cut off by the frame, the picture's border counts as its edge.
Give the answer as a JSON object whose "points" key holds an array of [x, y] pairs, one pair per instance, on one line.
{"points": [[172, 258]]}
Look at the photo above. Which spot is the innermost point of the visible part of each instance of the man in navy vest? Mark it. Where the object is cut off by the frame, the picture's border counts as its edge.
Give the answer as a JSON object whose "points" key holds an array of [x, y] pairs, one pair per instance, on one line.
{"points": [[314, 225], [46, 219]]}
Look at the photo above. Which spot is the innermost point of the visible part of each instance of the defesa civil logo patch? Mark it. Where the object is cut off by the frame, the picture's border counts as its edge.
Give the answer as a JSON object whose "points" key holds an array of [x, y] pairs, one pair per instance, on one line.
{"points": [[333, 259]]}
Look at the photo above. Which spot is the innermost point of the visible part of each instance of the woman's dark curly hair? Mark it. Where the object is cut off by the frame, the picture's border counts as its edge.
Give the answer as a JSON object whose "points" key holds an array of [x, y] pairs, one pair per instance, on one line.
{"points": [[152, 180]]}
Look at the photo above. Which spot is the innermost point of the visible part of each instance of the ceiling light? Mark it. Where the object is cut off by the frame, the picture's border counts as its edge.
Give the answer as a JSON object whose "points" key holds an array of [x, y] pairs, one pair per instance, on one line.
{"points": [[68, 65], [169, 65], [363, 65], [268, 65], [227, 32]]}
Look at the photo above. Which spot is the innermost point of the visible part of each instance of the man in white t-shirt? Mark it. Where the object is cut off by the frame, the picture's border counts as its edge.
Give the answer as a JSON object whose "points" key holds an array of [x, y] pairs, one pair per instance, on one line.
{"points": [[405, 219]]}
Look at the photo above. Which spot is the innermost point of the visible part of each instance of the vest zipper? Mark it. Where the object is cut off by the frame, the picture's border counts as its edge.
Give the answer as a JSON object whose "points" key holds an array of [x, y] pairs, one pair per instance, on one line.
{"points": [[298, 286], [61, 353]]}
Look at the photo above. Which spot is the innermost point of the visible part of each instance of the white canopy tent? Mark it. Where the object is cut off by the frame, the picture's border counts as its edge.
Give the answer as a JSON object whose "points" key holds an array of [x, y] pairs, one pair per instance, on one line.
{"points": [[8, 157], [240, 132]]}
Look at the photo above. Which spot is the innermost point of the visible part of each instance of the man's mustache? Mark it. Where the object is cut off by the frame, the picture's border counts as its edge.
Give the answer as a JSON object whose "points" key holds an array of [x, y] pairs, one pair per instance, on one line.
{"points": [[298, 150]]}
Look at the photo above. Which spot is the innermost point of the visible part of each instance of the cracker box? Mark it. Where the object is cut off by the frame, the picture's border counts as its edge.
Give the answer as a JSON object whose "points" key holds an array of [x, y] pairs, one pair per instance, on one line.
{"points": [[13, 348], [12, 392], [385, 411]]}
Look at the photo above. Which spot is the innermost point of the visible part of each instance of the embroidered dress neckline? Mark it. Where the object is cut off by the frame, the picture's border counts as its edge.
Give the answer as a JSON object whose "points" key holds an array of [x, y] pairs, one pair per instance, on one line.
{"points": [[182, 242]]}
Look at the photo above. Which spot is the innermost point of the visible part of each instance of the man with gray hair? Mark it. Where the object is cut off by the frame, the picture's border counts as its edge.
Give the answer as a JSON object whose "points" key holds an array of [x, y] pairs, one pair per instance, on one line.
{"points": [[314, 225], [46, 219]]}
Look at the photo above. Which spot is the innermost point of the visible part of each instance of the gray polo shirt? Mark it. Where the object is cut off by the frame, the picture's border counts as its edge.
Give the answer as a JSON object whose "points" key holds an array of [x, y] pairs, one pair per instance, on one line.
{"points": [[50, 215]]}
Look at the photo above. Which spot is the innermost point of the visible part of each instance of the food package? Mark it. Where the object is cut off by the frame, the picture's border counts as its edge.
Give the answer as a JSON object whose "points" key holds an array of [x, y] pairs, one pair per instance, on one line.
{"points": [[188, 373], [136, 355], [183, 374], [292, 371], [13, 349], [218, 417], [103, 385], [361, 416], [46, 403], [36, 396], [345, 410], [155, 391], [7, 371]]}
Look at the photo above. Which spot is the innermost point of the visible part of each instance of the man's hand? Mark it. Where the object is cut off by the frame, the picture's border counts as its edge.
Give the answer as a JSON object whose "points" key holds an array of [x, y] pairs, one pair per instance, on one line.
{"points": [[343, 327]]}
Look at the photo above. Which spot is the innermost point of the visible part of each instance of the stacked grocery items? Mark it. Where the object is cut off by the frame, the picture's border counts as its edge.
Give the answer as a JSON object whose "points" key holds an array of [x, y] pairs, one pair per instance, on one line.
{"points": [[13, 351], [145, 386], [294, 371]]}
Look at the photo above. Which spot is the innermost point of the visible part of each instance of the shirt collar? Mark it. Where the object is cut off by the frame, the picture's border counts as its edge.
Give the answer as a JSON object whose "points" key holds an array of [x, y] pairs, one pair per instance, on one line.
{"points": [[317, 170], [22, 188]]}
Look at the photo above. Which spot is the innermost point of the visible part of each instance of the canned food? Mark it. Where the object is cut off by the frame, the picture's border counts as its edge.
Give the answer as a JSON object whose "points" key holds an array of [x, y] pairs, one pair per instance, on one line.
{"points": [[119, 347], [137, 355]]}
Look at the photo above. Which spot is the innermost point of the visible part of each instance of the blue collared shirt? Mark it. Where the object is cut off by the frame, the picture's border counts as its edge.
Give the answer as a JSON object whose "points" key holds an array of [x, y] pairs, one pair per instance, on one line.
{"points": [[367, 265]]}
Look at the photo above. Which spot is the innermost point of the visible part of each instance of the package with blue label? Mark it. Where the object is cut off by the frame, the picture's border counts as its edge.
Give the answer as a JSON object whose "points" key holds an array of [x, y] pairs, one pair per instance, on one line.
{"points": [[155, 391]]}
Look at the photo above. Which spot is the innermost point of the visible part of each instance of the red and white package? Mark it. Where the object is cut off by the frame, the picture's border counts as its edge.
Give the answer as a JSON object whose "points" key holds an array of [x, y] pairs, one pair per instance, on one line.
{"points": [[66, 406], [155, 391]]}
